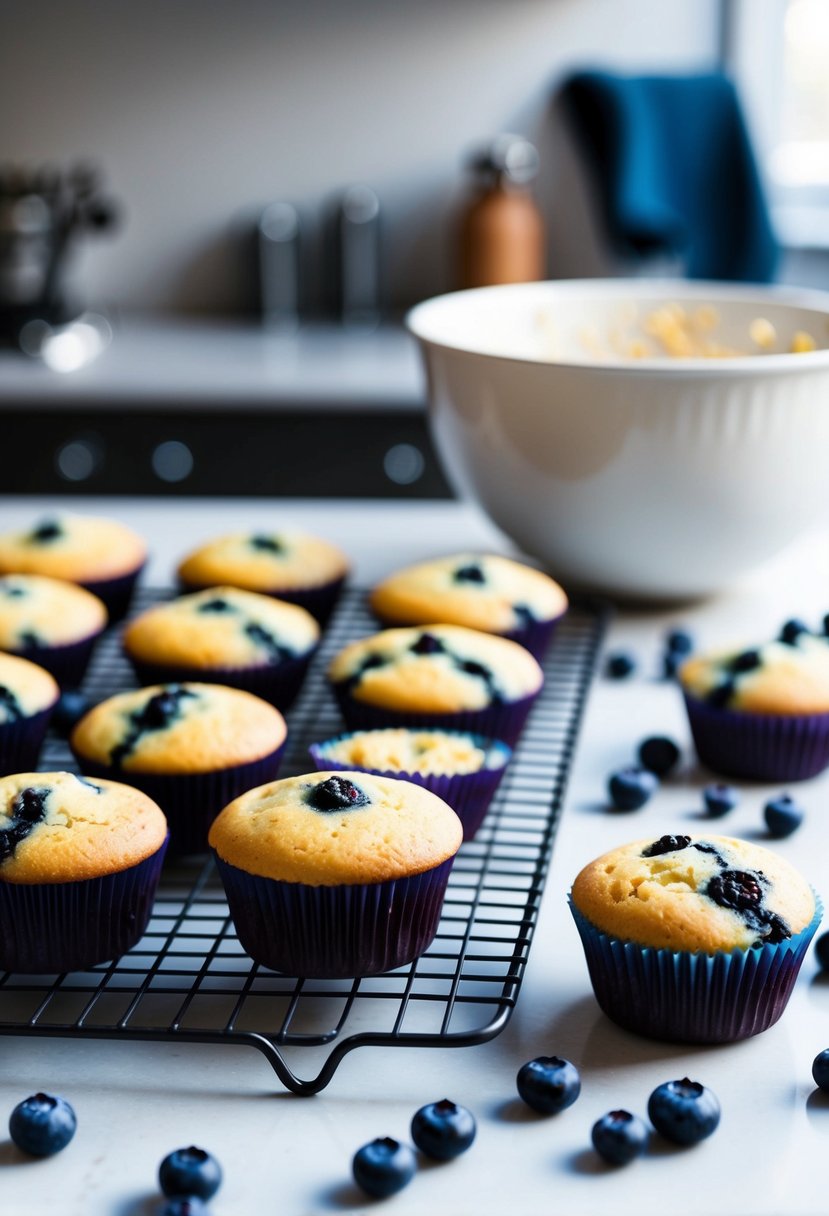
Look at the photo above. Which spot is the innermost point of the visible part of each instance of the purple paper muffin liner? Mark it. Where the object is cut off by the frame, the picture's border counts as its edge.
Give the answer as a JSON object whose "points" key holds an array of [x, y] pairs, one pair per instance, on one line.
{"points": [[320, 601], [48, 928], [682, 997], [339, 932], [21, 741], [760, 747], [535, 636], [502, 720], [468, 794], [191, 801], [277, 683], [66, 663], [115, 593]]}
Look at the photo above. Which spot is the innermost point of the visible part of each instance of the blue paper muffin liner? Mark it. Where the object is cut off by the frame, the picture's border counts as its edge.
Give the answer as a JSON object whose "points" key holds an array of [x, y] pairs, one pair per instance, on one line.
{"points": [[760, 747], [468, 794], [277, 683], [338, 932], [21, 741], [682, 997], [66, 663], [502, 720], [191, 801], [49, 928], [115, 593]]}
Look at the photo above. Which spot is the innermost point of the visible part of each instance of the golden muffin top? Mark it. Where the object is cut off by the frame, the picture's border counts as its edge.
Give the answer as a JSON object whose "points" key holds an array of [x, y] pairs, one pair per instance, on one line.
{"points": [[487, 592], [330, 828], [40, 611], [401, 750], [265, 561], [78, 548], [178, 728], [694, 893], [221, 627], [436, 669], [56, 827], [779, 677], [25, 689]]}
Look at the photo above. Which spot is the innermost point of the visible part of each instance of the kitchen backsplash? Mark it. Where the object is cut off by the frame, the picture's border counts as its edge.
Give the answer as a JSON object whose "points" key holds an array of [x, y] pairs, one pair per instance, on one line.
{"points": [[200, 112]]}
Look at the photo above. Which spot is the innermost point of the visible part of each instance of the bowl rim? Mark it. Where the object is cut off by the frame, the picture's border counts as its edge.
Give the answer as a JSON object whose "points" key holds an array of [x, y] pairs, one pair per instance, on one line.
{"points": [[417, 319]]}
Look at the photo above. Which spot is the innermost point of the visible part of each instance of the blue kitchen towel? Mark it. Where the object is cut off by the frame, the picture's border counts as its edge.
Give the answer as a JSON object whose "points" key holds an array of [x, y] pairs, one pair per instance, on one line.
{"points": [[675, 170]]}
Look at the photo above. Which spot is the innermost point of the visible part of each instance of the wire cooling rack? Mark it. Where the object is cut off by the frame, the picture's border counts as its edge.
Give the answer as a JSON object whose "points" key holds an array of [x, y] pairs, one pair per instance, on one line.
{"points": [[188, 979]]}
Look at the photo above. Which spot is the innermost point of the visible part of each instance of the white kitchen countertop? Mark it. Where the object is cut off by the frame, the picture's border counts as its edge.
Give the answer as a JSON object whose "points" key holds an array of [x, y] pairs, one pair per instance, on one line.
{"points": [[135, 1102], [204, 363]]}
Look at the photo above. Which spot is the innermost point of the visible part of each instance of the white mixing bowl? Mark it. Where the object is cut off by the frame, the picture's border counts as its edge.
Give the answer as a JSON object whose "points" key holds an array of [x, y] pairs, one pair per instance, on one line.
{"points": [[654, 476]]}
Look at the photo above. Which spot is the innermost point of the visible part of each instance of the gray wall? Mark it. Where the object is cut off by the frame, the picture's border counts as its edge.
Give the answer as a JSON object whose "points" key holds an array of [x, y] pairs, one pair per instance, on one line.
{"points": [[201, 111]]}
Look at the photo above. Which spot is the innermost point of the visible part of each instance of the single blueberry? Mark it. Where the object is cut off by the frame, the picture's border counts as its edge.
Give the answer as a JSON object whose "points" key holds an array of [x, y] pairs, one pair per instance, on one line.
{"points": [[820, 1070], [71, 707], [746, 660], [189, 1172], [619, 1137], [630, 788], [666, 844], [659, 755], [48, 530], [383, 1167], [266, 544], [684, 1111], [42, 1125], [548, 1084], [472, 573], [679, 641], [719, 799], [443, 1130], [427, 643], [826, 624], [822, 951], [740, 890], [783, 816], [721, 694], [792, 630], [216, 605], [336, 794], [619, 665]]}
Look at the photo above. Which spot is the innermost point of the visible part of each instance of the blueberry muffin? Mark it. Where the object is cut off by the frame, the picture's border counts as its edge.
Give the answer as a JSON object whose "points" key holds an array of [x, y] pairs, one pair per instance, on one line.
{"points": [[693, 939], [288, 564], [444, 676], [102, 555], [225, 636], [464, 770], [762, 712], [28, 695], [52, 623], [190, 747], [486, 592], [336, 873], [79, 866]]}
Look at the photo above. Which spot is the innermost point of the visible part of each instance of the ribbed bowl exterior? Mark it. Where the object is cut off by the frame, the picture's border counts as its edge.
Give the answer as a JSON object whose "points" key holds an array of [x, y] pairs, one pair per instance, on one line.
{"points": [[49, 928], [682, 997], [759, 747], [335, 932]]}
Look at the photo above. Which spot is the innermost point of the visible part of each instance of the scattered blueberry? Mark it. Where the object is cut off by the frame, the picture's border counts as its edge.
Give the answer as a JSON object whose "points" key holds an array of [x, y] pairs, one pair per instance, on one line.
{"points": [[659, 755], [719, 799], [383, 1167], [71, 707], [820, 1070], [191, 1206], [792, 630], [619, 1137], [549, 1084], [630, 788], [746, 660], [189, 1172], [783, 816], [336, 794], [619, 665], [679, 641], [684, 1111], [443, 1130], [822, 950], [42, 1125]]}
